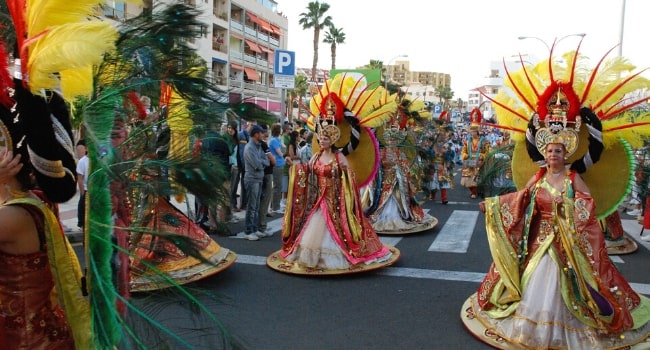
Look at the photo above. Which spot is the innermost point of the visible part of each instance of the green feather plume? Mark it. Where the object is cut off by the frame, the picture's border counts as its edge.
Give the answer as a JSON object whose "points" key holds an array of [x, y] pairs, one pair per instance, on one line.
{"points": [[150, 50]]}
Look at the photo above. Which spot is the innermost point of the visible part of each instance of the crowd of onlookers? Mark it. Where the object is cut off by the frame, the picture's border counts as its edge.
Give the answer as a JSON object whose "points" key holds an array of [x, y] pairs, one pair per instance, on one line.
{"points": [[259, 157]]}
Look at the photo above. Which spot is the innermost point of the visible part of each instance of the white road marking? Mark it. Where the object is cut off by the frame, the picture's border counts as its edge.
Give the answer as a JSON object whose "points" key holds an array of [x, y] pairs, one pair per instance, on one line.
{"points": [[409, 272], [455, 235]]}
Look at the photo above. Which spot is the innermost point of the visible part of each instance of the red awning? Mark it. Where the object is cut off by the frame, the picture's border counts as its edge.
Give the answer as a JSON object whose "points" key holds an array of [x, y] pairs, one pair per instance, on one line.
{"points": [[252, 17], [253, 46], [276, 29], [236, 66], [236, 36], [251, 73], [265, 25], [265, 49]]}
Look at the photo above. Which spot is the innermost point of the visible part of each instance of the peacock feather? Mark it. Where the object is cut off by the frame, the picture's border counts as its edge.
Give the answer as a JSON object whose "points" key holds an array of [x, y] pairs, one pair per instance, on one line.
{"points": [[151, 57]]}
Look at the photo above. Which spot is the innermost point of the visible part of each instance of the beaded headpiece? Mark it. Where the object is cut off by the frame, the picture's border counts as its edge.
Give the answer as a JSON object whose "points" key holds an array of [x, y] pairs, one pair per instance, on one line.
{"points": [[556, 125], [331, 107]]}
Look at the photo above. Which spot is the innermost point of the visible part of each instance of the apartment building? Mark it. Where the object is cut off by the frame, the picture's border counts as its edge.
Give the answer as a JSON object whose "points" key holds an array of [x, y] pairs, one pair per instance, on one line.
{"points": [[238, 42], [492, 84]]}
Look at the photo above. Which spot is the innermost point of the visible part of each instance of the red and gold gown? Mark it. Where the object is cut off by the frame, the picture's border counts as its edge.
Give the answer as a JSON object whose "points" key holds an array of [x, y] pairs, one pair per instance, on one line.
{"points": [[324, 225], [41, 304], [157, 259], [552, 284]]}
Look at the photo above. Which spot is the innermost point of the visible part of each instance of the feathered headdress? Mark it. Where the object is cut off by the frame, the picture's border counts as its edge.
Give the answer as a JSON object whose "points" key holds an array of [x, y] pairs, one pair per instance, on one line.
{"points": [[598, 103], [354, 106], [409, 113], [58, 45], [475, 119]]}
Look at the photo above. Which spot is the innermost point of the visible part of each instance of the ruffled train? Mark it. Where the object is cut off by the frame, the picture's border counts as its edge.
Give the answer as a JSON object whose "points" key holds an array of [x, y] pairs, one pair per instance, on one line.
{"points": [[542, 320], [317, 249], [392, 218]]}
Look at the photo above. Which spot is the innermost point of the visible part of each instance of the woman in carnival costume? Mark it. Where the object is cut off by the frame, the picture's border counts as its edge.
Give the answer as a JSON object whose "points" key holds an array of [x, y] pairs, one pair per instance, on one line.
{"points": [[475, 148], [389, 201], [324, 229], [42, 305], [552, 284]]}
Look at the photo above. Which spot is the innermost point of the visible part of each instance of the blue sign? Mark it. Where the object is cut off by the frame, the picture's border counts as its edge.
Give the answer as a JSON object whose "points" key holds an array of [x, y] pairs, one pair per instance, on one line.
{"points": [[437, 109], [285, 63]]}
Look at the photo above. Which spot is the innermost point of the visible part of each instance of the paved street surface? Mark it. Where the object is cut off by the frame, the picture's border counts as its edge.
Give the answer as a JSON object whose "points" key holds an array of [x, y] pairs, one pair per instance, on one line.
{"points": [[415, 304]]}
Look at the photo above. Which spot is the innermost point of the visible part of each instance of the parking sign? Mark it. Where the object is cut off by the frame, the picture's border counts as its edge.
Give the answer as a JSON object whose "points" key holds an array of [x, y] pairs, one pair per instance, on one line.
{"points": [[284, 69]]}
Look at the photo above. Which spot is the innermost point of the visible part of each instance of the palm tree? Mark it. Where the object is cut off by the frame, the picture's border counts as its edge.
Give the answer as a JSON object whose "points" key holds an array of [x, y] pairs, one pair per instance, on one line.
{"points": [[445, 93], [333, 37], [315, 18], [299, 91]]}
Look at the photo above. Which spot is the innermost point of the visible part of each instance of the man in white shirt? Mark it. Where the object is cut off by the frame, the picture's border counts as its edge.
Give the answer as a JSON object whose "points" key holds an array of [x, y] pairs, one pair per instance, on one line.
{"points": [[82, 182]]}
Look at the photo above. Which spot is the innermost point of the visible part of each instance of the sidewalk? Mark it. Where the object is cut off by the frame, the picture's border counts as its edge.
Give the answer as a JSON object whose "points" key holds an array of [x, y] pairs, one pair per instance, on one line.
{"points": [[68, 214]]}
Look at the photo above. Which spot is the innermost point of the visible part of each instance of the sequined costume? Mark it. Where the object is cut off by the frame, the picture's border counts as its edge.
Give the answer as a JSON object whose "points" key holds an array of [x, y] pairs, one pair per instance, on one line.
{"points": [[324, 226], [541, 292], [31, 315], [396, 209], [440, 177], [474, 150]]}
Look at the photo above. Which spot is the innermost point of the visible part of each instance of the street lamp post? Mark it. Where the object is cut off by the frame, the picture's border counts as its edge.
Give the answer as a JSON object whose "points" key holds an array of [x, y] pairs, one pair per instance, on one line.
{"points": [[388, 64]]}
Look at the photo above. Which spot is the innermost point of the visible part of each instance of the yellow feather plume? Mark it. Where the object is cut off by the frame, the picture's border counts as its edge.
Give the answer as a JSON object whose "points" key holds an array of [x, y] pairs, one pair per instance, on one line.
{"points": [[45, 14], [631, 127], [76, 46], [362, 100]]}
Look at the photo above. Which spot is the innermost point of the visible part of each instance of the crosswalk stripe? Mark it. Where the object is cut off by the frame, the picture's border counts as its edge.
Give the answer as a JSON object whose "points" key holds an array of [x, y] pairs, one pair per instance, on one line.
{"points": [[455, 235]]}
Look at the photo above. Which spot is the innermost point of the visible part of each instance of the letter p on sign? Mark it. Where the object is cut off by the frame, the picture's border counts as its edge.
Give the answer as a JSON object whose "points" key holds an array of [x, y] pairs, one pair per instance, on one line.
{"points": [[285, 62]]}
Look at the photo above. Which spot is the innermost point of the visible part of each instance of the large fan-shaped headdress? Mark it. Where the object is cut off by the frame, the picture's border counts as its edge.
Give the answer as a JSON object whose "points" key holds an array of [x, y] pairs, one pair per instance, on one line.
{"points": [[348, 106], [589, 110]]}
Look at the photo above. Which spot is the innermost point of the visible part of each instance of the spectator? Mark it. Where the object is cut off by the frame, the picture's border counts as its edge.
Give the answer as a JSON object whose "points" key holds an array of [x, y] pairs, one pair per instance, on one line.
{"points": [[306, 152], [244, 137], [234, 160], [215, 146], [275, 145], [267, 184], [254, 160], [82, 182], [287, 128]]}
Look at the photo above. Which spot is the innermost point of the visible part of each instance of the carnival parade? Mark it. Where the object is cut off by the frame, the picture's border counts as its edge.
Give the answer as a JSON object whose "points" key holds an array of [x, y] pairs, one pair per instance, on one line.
{"points": [[152, 200]]}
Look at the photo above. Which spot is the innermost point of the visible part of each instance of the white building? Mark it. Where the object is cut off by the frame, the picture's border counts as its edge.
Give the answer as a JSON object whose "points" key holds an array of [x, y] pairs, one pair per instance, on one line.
{"points": [[238, 43]]}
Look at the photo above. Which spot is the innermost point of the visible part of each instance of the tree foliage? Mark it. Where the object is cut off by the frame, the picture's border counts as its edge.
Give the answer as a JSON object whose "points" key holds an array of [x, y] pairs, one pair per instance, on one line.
{"points": [[315, 18]]}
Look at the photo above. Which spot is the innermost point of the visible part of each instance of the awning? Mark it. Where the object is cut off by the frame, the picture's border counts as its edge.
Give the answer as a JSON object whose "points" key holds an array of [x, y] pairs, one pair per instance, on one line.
{"points": [[236, 66], [276, 29], [253, 46], [265, 49], [252, 17], [236, 36], [265, 25], [252, 74], [218, 60]]}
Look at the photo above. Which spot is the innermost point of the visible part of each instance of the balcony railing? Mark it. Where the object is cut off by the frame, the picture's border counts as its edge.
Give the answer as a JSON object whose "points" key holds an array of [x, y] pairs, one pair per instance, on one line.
{"points": [[236, 25], [262, 36], [250, 31]]}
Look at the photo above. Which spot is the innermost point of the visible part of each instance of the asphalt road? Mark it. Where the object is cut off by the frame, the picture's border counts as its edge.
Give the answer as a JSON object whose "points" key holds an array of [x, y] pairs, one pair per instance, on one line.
{"points": [[414, 304]]}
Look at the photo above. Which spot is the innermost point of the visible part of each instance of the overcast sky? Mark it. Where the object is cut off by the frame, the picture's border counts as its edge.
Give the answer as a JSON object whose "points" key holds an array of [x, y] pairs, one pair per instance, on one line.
{"points": [[462, 37]]}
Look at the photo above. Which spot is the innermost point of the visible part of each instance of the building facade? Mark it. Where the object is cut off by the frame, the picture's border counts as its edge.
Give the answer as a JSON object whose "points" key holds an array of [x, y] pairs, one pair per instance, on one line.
{"points": [[238, 42]]}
